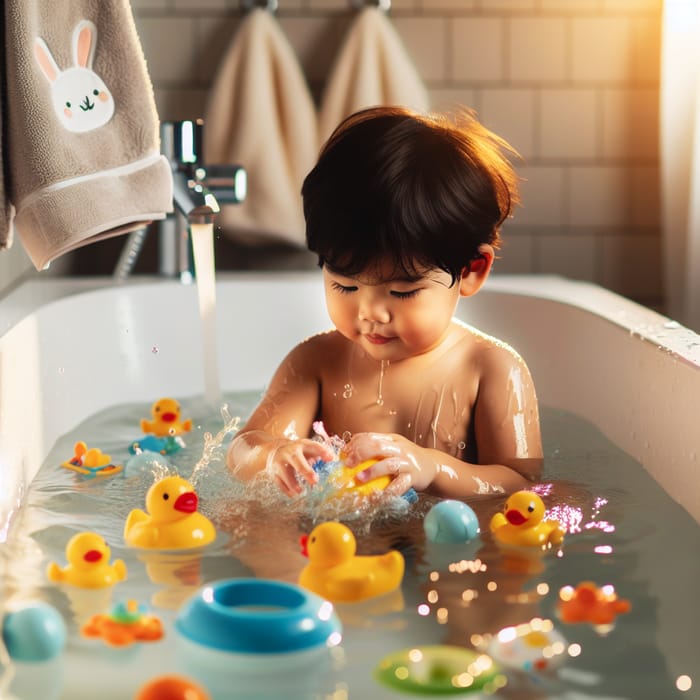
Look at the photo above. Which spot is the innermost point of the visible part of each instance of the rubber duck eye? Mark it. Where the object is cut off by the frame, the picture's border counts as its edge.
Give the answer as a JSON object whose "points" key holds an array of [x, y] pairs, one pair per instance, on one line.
{"points": [[531, 507], [166, 496]]}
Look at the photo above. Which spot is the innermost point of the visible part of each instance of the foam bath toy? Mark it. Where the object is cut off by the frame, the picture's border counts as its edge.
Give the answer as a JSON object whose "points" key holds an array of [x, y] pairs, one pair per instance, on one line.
{"points": [[91, 462], [336, 573], [590, 603], [523, 522], [163, 430], [88, 563], [172, 520], [339, 480], [172, 688], [535, 646], [127, 623], [258, 616], [451, 521], [34, 632], [440, 670]]}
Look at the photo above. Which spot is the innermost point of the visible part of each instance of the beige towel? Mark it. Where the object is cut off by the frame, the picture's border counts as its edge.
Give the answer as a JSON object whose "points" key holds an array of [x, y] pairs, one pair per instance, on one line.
{"points": [[261, 115], [372, 68], [82, 157]]}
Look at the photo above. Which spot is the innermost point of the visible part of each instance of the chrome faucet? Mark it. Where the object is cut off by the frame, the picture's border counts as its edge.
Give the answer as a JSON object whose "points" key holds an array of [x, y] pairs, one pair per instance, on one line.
{"points": [[198, 190]]}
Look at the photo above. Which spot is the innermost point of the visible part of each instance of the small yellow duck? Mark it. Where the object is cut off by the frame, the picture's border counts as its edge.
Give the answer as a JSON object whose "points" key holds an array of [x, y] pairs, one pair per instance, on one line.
{"points": [[522, 522], [172, 521], [166, 419], [91, 461], [336, 573], [342, 480], [88, 563]]}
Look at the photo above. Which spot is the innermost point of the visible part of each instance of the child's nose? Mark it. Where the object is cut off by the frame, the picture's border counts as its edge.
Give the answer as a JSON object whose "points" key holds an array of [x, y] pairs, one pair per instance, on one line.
{"points": [[374, 310]]}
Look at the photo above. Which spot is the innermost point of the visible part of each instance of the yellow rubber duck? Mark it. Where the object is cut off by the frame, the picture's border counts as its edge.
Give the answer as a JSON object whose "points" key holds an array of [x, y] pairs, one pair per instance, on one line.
{"points": [[336, 573], [88, 563], [166, 419], [342, 481], [172, 521], [522, 522], [91, 461]]}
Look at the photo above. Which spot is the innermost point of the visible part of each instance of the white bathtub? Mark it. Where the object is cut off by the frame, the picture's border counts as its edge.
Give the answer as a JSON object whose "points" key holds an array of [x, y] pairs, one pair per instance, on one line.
{"points": [[69, 349]]}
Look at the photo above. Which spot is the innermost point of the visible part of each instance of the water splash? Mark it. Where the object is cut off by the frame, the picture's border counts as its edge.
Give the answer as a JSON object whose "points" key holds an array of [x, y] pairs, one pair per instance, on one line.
{"points": [[212, 443], [382, 370]]}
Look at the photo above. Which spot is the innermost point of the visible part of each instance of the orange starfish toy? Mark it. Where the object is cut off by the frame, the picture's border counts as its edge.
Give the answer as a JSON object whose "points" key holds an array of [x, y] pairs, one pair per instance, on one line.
{"points": [[589, 603], [125, 625]]}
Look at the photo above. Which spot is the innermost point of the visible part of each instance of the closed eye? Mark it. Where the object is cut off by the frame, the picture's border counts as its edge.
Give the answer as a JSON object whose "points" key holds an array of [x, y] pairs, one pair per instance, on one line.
{"points": [[405, 295], [343, 289]]}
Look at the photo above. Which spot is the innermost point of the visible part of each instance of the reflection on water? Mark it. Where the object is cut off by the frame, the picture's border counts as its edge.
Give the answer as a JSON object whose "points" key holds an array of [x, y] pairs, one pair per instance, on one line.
{"points": [[622, 530]]}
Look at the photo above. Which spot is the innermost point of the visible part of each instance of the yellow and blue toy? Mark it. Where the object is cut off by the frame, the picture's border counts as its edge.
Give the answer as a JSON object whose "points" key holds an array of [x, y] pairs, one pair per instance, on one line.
{"points": [[88, 563], [338, 480], [91, 462], [172, 520], [337, 573], [523, 523], [163, 430]]}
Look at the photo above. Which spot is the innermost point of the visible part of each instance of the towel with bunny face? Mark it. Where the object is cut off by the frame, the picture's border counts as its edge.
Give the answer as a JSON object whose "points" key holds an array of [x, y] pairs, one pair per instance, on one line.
{"points": [[80, 148]]}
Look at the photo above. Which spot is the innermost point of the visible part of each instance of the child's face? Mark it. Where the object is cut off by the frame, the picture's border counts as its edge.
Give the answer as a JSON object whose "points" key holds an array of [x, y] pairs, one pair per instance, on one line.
{"points": [[392, 317]]}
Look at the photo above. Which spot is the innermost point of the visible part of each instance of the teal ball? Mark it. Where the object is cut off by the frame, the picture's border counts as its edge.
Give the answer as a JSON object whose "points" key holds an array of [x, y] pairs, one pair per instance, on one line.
{"points": [[451, 522], [146, 462], [33, 633]]}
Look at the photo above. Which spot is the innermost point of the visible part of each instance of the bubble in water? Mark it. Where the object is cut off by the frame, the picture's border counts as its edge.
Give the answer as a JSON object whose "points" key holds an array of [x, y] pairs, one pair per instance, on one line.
{"points": [[347, 391], [461, 445]]}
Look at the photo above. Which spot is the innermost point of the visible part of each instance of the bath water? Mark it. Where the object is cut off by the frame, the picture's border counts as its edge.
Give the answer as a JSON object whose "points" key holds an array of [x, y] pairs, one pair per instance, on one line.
{"points": [[623, 530]]}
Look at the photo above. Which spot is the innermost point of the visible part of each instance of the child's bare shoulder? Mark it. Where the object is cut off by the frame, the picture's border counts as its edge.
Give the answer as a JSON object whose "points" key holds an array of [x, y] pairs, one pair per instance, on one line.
{"points": [[490, 353]]}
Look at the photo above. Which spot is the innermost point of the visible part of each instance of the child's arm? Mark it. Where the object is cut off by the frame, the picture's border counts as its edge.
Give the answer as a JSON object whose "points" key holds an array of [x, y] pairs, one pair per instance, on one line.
{"points": [[507, 432], [270, 440]]}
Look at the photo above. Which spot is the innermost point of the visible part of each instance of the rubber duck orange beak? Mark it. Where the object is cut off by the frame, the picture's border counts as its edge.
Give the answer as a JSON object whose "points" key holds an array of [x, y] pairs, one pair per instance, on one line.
{"points": [[168, 417], [92, 556], [186, 502], [304, 542]]}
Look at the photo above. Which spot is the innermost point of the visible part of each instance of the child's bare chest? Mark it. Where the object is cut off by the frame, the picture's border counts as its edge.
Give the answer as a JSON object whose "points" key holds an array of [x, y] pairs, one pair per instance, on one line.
{"points": [[428, 402]]}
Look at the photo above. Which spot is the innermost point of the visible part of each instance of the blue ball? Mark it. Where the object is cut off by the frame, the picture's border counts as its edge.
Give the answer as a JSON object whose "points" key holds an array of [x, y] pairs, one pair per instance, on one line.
{"points": [[146, 462], [451, 522], [36, 632]]}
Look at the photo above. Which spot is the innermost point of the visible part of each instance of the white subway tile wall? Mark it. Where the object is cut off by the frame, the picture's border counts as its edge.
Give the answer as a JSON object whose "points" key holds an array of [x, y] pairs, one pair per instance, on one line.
{"points": [[572, 84]]}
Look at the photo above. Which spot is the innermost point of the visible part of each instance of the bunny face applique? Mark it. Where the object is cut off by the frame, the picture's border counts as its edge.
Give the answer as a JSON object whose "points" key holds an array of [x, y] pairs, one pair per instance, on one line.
{"points": [[80, 98]]}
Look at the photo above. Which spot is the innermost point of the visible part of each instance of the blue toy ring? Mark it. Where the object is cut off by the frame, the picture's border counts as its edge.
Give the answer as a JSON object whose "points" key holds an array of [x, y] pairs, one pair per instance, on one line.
{"points": [[258, 616]]}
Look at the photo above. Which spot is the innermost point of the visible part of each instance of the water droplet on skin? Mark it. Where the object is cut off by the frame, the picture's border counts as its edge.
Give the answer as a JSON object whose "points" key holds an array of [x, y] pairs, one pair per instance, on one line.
{"points": [[461, 444], [347, 391]]}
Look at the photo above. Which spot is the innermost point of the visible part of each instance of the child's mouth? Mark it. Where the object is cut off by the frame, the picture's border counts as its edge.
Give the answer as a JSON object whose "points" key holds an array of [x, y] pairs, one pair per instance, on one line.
{"points": [[377, 339]]}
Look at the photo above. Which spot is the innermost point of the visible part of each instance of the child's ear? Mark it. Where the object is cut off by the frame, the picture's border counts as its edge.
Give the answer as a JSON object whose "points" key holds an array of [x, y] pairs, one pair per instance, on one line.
{"points": [[474, 276]]}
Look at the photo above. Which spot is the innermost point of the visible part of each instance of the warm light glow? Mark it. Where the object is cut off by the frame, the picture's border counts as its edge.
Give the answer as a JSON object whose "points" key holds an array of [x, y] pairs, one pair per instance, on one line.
{"points": [[415, 655], [492, 586], [423, 609], [441, 615], [432, 596], [574, 649], [684, 683], [542, 588], [603, 549]]}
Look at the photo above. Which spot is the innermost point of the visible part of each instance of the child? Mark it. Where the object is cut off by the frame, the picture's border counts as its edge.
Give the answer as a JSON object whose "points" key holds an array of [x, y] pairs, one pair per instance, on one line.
{"points": [[403, 211]]}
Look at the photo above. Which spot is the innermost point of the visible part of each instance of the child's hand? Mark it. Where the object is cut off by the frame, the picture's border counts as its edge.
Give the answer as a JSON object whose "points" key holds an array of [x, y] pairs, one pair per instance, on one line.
{"points": [[408, 464], [291, 460]]}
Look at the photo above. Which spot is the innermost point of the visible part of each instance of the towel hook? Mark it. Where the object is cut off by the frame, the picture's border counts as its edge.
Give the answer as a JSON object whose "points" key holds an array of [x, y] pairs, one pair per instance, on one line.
{"points": [[269, 5], [383, 5]]}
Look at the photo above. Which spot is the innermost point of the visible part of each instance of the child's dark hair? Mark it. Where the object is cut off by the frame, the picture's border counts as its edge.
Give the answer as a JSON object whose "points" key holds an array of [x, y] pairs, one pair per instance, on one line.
{"points": [[425, 191]]}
